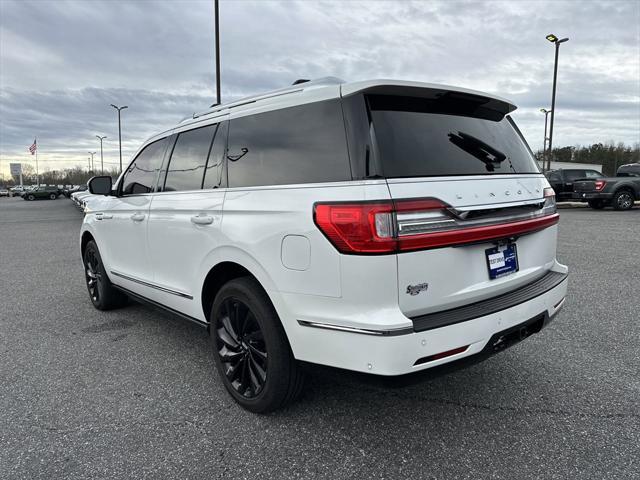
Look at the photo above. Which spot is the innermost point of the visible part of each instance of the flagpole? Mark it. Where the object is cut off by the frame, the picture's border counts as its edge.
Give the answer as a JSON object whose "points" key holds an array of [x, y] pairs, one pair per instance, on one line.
{"points": [[37, 171]]}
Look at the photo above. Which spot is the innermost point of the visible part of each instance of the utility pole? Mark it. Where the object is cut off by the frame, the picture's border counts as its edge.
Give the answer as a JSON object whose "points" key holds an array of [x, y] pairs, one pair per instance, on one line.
{"points": [[101, 157], [217, 34], [119, 131], [553, 39]]}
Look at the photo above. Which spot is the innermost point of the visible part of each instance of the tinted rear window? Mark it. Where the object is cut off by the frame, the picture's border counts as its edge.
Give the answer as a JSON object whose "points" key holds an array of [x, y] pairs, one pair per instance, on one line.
{"points": [[303, 144], [418, 137]]}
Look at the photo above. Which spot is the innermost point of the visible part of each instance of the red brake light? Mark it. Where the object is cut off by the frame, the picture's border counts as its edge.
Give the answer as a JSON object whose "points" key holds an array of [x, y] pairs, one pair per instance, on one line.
{"points": [[351, 227], [600, 184], [386, 226]]}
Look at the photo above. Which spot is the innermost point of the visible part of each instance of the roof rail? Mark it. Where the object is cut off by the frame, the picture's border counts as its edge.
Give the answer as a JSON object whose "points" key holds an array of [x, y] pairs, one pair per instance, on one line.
{"points": [[298, 86]]}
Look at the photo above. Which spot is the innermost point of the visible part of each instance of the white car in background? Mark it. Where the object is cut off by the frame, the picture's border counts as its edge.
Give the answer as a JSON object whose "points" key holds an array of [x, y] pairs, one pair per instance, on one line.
{"points": [[78, 198], [17, 191], [385, 227]]}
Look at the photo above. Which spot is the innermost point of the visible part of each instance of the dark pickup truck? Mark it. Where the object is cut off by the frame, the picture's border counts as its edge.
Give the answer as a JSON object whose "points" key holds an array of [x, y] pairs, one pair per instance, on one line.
{"points": [[561, 180], [620, 191]]}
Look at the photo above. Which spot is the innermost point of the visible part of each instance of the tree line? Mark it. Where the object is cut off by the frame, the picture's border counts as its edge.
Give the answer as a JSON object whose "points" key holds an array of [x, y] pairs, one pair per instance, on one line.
{"points": [[609, 155], [65, 176]]}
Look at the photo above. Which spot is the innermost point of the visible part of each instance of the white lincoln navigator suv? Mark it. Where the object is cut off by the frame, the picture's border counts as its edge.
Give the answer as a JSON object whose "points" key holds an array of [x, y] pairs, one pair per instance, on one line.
{"points": [[381, 226]]}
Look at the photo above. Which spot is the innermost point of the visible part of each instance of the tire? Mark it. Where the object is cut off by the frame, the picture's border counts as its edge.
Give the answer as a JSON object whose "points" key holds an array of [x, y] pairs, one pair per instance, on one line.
{"points": [[623, 200], [596, 204], [102, 293], [251, 349], [31, 197], [53, 196]]}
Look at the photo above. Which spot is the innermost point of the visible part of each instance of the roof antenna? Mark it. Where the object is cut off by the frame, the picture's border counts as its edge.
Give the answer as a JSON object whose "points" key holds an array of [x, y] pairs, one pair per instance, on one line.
{"points": [[300, 80]]}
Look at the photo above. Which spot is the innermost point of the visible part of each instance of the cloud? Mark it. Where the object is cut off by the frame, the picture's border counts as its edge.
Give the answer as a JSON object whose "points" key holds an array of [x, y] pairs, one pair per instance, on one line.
{"points": [[63, 63]]}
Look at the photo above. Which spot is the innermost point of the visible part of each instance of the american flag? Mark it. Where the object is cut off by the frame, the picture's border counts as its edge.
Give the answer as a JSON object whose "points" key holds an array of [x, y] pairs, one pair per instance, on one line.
{"points": [[33, 147]]}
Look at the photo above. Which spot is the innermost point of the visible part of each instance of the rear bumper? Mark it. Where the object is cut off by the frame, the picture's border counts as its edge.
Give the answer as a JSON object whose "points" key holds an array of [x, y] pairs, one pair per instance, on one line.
{"points": [[403, 351], [591, 196]]}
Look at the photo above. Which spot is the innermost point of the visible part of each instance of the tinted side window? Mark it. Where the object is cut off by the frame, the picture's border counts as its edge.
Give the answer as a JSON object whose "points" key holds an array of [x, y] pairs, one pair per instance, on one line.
{"points": [[188, 160], [571, 175], [215, 176], [555, 177], [303, 144], [592, 174], [141, 175]]}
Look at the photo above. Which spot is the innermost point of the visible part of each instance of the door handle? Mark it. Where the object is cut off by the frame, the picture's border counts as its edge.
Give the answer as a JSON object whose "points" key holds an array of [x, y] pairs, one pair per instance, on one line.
{"points": [[137, 217], [202, 219]]}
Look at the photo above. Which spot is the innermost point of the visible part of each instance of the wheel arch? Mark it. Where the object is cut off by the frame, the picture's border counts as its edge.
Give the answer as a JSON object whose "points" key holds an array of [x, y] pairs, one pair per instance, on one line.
{"points": [[628, 188], [229, 263], [85, 238]]}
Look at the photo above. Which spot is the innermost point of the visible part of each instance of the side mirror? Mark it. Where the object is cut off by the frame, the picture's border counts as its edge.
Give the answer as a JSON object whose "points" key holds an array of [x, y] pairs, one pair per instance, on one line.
{"points": [[100, 185]]}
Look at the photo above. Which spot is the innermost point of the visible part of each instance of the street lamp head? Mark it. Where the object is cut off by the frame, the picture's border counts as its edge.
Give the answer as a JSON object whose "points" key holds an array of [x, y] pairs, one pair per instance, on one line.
{"points": [[122, 108], [553, 39]]}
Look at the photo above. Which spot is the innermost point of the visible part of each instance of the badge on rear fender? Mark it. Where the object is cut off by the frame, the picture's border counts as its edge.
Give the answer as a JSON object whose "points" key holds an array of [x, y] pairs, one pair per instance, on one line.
{"points": [[416, 289]]}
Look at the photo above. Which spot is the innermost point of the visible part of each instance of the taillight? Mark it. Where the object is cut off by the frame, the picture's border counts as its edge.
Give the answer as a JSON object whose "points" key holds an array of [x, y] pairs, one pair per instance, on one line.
{"points": [[549, 206], [357, 227], [387, 226], [600, 184]]}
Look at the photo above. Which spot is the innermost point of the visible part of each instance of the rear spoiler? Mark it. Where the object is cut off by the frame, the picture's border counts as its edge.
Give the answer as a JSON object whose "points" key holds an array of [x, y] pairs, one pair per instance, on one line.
{"points": [[438, 99]]}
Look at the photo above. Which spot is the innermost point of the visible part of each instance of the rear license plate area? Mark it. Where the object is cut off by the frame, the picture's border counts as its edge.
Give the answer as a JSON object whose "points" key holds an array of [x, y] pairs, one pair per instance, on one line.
{"points": [[502, 260]]}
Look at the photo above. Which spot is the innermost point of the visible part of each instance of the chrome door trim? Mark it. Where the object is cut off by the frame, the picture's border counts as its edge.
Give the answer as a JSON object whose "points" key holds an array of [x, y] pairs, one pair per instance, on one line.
{"points": [[152, 285]]}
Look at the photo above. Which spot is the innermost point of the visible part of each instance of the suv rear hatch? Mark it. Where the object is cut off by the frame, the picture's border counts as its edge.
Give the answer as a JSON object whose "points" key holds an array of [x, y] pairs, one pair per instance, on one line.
{"points": [[473, 217]]}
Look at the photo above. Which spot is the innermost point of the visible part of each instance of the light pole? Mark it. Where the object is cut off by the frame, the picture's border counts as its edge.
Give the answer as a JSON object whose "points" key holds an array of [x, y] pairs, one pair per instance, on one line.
{"points": [[544, 145], [92, 154], [553, 39], [89, 163], [102, 159], [119, 131], [217, 33]]}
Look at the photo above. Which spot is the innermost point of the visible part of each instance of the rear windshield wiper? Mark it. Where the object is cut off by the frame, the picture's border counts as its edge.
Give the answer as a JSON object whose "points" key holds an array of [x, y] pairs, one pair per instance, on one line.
{"points": [[479, 149]]}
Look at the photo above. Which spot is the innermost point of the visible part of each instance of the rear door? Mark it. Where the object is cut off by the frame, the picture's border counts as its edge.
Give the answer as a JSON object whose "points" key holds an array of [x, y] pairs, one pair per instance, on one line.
{"points": [[458, 175], [185, 216]]}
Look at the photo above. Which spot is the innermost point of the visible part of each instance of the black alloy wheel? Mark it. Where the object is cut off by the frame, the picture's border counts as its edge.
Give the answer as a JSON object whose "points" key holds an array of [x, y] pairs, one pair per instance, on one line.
{"points": [[93, 274], [31, 197], [623, 200], [241, 347], [53, 196], [251, 349], [103, 294]]}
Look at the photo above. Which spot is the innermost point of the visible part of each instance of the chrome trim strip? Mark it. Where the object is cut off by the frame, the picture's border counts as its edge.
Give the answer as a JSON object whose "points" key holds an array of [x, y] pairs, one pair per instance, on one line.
{"points": [[363, 331], [152, 285]]}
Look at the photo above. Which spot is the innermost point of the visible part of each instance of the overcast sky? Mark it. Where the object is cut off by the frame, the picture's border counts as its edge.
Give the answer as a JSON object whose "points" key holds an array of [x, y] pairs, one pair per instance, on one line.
{"points": [[63, 63]]}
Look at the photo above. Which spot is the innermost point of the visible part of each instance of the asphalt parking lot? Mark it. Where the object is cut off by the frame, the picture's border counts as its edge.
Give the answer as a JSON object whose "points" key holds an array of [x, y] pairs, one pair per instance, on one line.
{"points": [[134, 393]]}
